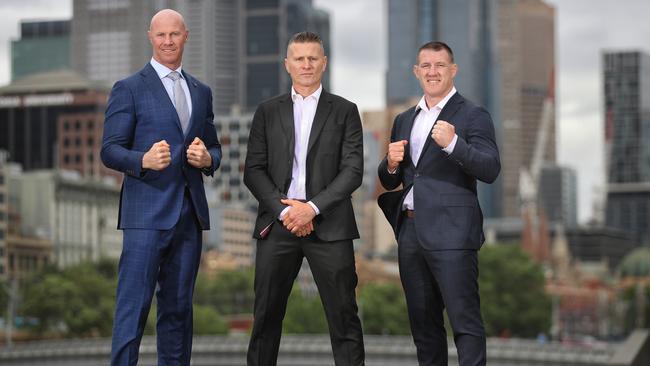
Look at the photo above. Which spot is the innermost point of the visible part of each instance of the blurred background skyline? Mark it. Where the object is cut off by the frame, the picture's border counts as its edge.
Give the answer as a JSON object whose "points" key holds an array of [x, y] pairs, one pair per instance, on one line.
{"points": [[584, 30]]}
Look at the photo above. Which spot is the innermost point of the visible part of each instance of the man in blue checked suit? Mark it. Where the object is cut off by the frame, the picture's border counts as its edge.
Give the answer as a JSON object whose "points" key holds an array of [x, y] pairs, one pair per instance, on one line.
{"points": [[159, 132]]}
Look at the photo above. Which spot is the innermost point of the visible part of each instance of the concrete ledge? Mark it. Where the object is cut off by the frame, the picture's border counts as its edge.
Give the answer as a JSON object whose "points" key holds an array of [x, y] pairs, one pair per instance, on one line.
{"points": [[635, 351]]}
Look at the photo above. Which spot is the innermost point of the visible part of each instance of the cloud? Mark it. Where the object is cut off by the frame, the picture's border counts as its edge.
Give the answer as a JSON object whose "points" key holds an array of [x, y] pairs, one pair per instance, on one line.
{"points": [[358, 57]]}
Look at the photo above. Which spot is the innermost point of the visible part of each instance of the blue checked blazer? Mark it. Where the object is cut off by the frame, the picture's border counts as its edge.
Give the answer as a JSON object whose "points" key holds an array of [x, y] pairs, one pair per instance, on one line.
{"points": [[139, 113]]}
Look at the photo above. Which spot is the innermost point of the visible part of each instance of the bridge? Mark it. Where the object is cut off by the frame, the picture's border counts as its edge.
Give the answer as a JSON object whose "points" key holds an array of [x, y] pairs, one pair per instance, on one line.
{"points": [[315, 350]]}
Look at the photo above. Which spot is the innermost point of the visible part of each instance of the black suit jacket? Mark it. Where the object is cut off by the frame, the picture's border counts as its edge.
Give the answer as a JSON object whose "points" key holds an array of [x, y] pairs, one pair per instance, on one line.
{"points": [[448, 215], [334, 163]]}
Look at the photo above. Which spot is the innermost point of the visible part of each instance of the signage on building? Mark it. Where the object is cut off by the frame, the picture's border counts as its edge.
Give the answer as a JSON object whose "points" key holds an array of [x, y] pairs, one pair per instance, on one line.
{"points": [[35, 100]]}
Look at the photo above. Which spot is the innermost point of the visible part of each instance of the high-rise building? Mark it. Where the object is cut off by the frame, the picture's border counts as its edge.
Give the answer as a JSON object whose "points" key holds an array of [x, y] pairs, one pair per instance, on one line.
{"points": [[54, 120], [236, 47], [109, 38], [233, 133], [505, 53], [43, 46], [461, 24], [626, 77], [232, 206], [558, 195], [236, 224], [212, 51], [268, 25], [523, 77]]}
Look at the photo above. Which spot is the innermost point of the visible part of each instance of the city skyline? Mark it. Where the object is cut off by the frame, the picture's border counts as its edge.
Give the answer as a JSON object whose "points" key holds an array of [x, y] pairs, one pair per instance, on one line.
{"points": [[585, 29]]}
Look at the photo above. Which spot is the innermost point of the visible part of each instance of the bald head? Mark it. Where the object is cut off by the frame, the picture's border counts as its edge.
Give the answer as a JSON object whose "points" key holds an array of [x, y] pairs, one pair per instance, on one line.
{"points": [[167, 15], [167, 34]]}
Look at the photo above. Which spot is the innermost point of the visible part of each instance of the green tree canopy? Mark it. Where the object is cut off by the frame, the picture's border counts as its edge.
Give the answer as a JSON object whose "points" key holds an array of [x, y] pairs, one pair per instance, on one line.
{"points": [[208, 321], [75, 302], [513, 299], [230, 292], [383, 309], [304, 314]]}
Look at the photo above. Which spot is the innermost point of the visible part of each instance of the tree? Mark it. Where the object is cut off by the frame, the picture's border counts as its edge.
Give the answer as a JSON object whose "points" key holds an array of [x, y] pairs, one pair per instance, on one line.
{"points": [[513, 300], [304, 314], [92, 312], [383, 309], [230, 292], [208, 321], [46, 301], [635, 296], [75, 302]]}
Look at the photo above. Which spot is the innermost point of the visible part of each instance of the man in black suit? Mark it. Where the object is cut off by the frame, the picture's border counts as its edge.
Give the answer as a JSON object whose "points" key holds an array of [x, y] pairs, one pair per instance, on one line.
{"points": [[438, 150], [304, 160]]}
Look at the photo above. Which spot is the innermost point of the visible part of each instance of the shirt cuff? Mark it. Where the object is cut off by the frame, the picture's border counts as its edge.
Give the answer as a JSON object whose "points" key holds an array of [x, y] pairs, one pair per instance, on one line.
{"points": [[450, 149], [314, 207], [283, 212]]}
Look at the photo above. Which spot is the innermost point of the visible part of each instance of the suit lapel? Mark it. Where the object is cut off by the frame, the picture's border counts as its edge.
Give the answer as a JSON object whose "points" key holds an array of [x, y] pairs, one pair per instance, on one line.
{"points": [[447, 112], [193, 86], [286, 120], [323, 110], [410, 120], [156, 87]]}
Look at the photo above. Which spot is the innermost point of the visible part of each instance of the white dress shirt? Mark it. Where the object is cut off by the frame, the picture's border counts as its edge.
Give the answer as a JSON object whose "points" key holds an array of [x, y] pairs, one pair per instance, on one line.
{"points": [[168, 83], [421, 131], [304, 110]]}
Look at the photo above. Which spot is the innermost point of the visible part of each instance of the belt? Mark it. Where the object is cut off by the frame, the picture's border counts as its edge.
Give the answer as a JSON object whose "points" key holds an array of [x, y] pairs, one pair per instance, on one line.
{"points": [[409, 213]]}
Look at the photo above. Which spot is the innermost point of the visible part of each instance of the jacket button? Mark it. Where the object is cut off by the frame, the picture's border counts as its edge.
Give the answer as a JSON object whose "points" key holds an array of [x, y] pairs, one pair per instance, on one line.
{"points": [[417, 175]]}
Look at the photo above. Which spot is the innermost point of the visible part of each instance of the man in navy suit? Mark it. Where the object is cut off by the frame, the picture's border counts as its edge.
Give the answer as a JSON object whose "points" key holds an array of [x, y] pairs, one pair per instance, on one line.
{"points": [[159, 132], [438, 150]]}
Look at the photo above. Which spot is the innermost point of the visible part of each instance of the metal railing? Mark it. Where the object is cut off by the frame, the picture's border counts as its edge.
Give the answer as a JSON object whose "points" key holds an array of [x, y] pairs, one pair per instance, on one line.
{"points": [[315, 350]]}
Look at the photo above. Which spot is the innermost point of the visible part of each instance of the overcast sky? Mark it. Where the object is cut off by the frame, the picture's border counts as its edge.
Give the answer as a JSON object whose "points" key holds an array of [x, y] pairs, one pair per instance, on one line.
{"points": [[584, 29]]}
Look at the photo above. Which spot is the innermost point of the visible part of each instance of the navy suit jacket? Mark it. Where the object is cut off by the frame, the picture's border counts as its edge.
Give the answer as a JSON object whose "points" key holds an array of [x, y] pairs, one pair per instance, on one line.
{"points": [[139, 113], [448, 215]]}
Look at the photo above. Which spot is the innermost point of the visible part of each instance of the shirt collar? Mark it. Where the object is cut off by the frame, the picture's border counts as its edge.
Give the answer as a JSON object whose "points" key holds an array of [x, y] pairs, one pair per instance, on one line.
{"points": [[315, 95], [441, 104], [163, 70]]}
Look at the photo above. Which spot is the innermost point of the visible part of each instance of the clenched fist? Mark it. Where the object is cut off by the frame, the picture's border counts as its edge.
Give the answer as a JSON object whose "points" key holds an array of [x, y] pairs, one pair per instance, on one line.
{"points": [[395, 154], [197, 155], [158, 157], [443, 133]]}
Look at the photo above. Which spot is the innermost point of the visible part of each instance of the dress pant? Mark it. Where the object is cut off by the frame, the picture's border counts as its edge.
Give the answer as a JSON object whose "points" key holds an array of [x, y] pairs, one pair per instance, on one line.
{"points": [[165, 261], [434, 280], [277, 263]]}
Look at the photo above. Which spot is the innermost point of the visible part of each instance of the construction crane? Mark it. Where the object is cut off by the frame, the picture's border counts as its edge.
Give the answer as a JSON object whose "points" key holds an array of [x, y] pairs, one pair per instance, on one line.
{"points": [[535, 235]]}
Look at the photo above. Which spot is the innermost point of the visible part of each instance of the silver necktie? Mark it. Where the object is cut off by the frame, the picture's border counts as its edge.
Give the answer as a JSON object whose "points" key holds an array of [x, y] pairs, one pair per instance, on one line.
{"points": [[180, 102]]}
